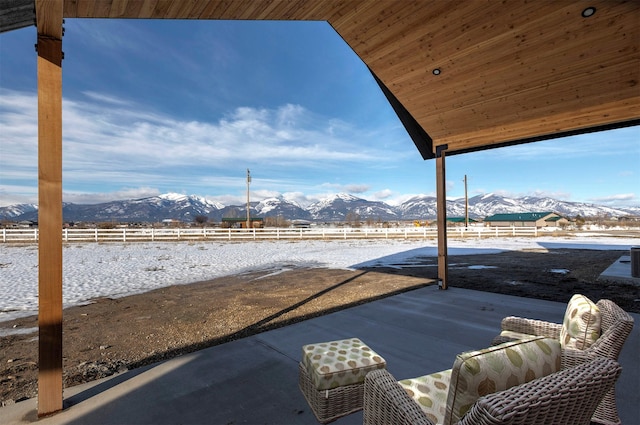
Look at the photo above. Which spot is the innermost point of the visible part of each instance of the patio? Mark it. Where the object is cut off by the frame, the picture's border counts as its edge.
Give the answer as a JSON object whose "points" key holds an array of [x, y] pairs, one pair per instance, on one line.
{"points": [[254, 380], [556, 87]]}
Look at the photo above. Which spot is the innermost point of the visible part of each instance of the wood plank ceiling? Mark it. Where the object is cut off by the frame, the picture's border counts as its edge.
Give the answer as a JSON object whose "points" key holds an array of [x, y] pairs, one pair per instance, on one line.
{"points": [[509, 71]]}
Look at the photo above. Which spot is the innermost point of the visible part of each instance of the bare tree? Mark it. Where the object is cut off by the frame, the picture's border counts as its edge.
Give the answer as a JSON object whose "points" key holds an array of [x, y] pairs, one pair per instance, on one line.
{"points": [[277, 221], [201, 219], [353, 219]]}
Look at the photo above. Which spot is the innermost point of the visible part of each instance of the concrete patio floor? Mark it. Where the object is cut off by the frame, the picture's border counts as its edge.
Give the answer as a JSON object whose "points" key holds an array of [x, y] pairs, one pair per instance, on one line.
{"points": [[620, 271], [254, 380]]}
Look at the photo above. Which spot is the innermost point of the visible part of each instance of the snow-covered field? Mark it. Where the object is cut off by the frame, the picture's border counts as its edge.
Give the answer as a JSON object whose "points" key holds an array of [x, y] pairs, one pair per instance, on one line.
{"points": [[113, 270]]}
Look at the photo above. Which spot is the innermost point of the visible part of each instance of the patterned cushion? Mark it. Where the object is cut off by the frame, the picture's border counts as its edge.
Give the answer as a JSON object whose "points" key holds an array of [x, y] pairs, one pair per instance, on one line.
{"points": [[430, 392], [478, 373], [581, 324], [337, 363], [515, 335]]}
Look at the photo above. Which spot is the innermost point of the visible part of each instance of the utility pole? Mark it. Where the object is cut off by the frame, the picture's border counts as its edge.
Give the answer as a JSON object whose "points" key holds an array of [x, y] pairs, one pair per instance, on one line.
{"points": [[466, 204], [248, 203]]}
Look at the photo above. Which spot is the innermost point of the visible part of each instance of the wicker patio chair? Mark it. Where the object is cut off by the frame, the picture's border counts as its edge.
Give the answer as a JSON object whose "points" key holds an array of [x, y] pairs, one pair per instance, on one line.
{"points": [[615, 325], [568, 397]]}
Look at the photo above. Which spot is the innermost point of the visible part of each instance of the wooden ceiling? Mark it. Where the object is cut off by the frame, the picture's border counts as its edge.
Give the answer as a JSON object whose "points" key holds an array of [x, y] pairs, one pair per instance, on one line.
{"points": [[509, 71]]}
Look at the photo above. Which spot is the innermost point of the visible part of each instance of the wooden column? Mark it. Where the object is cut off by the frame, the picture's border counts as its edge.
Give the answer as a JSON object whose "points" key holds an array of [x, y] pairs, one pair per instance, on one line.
{"points": [[441, 205], [49, 47]]}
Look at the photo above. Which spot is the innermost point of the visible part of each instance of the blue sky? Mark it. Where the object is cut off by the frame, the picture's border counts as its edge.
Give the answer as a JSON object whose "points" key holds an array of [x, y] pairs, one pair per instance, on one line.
{"points": [[151, 107]]}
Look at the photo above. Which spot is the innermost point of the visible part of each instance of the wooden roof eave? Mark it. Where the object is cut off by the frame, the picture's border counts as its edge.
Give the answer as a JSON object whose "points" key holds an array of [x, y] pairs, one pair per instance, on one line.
{"points": [[16, 14]]}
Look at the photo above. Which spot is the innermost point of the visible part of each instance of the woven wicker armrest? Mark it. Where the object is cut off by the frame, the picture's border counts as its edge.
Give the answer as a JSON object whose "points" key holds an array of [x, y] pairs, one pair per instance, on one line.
{"points": [[616, 327], [572, 357], [531, 327], [386, 402], [566, 397]]}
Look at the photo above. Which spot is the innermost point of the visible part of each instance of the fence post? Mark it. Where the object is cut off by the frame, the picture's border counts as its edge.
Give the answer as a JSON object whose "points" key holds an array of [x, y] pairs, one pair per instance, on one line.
{"points": [[254, 233], [96, 234], [4, 235], [153, 234], [124, 234]]}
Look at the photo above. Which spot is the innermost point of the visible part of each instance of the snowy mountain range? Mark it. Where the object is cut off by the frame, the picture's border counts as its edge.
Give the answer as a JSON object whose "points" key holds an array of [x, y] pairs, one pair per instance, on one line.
{"points": [[339, 207]]}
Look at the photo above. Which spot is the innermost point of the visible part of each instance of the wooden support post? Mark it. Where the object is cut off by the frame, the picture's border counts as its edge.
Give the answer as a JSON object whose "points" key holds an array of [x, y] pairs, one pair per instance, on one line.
{"points": [[49, 46], [441, 205]]}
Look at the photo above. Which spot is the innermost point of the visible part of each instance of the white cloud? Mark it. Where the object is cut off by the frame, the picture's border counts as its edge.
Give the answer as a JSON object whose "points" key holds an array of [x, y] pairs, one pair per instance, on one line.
{"points": [[98, 198], [12, 195], [538, 193], [149, 140], [107, 99], [19, 142], [227, 199], [299, 198], [589, 145], [259, 195], [399, 199], [450, 185], [111, 35], [383, 195], [555, 194], [108, 141], [357, 188], [620, 198]]}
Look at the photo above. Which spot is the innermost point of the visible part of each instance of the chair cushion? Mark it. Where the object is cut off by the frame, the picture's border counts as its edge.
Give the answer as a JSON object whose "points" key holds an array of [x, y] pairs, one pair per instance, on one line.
{"points": [[430, 392], [512, 335], [337, 363], [581, 324], [478, 373]]}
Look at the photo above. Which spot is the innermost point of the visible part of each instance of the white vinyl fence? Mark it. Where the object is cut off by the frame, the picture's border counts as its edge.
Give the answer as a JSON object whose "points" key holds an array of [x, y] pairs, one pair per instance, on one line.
{"points": [[205, 234]]}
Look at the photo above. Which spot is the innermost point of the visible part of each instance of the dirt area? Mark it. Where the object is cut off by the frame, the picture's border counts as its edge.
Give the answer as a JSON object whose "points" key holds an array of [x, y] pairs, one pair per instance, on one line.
{"points": [[112, 335]]}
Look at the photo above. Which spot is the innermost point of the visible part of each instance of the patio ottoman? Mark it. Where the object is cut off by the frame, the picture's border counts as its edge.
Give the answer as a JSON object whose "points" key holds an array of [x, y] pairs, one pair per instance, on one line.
{"points": [[332, 376]]}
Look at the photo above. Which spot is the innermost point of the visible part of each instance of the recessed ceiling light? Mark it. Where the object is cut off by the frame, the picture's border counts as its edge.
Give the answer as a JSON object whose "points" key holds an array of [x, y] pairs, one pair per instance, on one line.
{"points": [[589, 11], [436, 71]]}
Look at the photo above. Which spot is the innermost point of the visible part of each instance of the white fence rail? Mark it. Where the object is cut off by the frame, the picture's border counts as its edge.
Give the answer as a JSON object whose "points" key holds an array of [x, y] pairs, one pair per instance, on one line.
{"points": [[203, 234]]}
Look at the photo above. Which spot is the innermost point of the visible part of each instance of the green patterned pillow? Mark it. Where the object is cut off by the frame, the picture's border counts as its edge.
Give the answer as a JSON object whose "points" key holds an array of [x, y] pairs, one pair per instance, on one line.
{"points": [[430, 392], [581, 324], [478, 373]]}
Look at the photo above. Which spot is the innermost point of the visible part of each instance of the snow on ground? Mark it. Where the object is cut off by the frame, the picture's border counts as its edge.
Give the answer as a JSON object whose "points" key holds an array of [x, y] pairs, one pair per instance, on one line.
{"points": [[92, 270]]}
